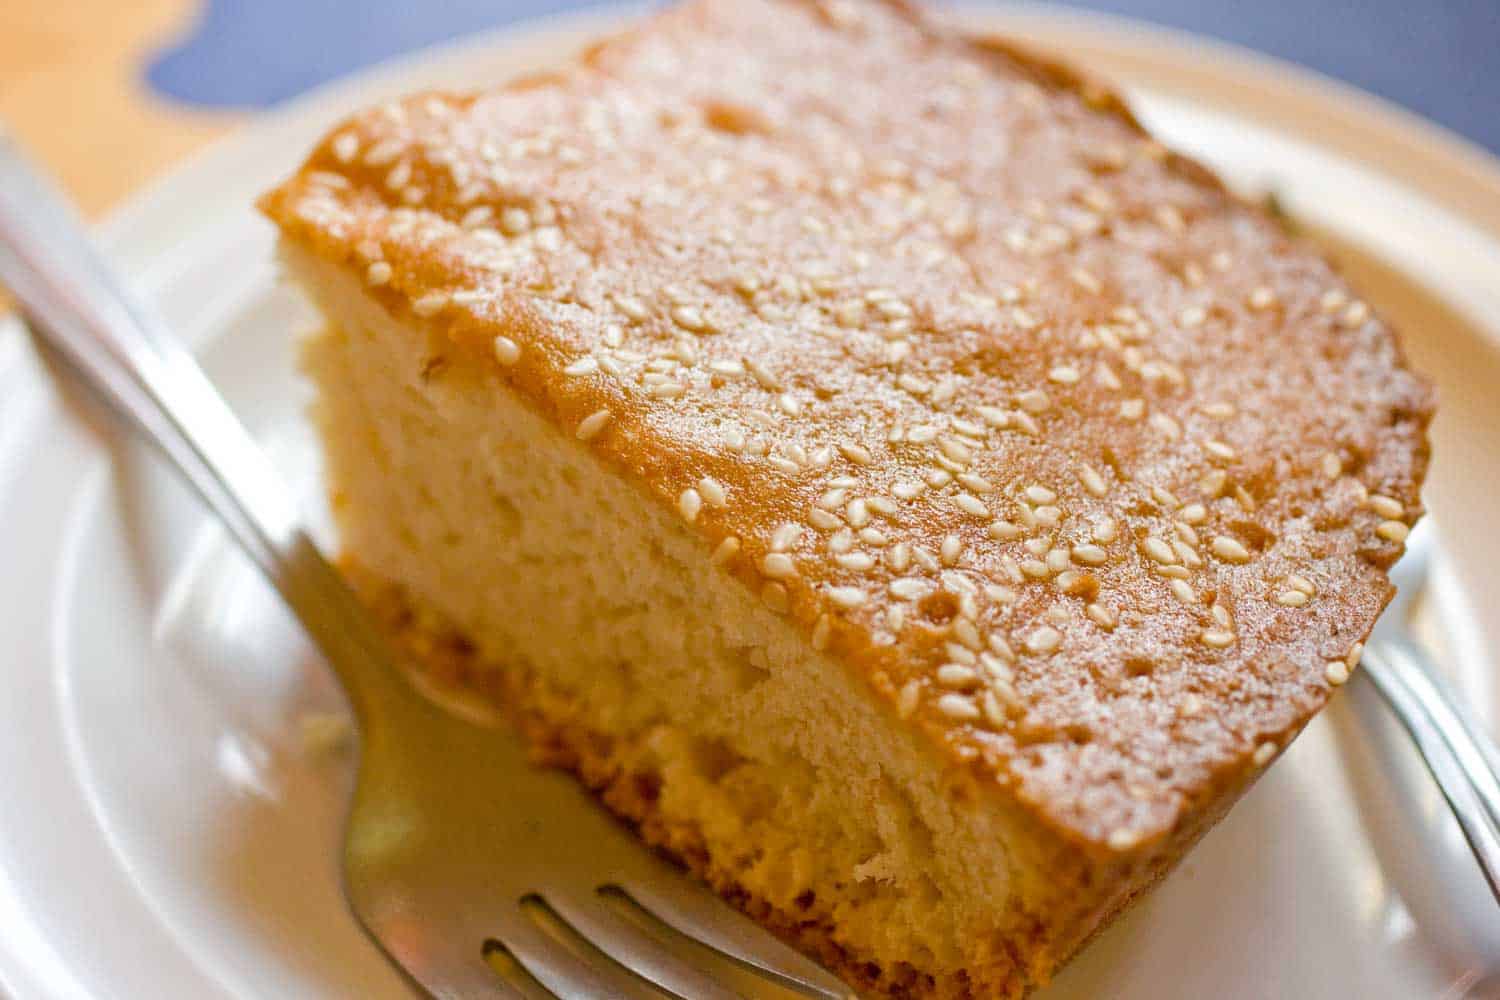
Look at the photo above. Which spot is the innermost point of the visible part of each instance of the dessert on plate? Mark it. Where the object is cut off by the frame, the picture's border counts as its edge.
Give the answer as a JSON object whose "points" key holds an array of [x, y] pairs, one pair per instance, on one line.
{"points": [[914, 497]]}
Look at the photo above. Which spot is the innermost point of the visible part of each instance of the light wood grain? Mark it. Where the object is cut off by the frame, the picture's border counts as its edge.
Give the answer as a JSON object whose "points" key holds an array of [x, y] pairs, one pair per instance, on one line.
{"points": [[72, 90]]}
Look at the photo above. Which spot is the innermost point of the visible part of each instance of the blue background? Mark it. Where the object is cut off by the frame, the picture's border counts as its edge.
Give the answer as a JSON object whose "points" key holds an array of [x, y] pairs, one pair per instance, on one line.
{"points": [[1440, 58]]}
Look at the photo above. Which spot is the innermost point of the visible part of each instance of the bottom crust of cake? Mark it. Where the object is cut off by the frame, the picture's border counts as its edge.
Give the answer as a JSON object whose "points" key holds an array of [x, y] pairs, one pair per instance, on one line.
{"points": [[443, 659]]}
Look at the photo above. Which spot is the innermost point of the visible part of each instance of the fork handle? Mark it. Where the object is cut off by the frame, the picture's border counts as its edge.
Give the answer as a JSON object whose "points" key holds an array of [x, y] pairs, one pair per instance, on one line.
{"points": [[76, 305], [1463, 760]]}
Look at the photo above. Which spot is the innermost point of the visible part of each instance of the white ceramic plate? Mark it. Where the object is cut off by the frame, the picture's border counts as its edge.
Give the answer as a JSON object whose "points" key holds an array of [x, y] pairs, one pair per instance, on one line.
{"points": [[164, 834]]}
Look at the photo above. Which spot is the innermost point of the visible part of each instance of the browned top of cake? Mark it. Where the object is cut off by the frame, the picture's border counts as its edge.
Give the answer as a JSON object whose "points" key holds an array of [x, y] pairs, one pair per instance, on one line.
{"points": [[1090, 469]]}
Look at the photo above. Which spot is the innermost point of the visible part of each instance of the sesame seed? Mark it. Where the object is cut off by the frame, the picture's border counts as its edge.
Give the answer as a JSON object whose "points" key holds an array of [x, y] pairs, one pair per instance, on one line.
{"points": [[1336, 672], [346, 147], [399, 176], [430, 304], [1104, 531], [1221, 615], [994, 416], [1393, 531], [1219, 450], [1217, 638], [1183, 591], [1044, 640], [666, 389], [1351, 658], [1229, 550], [786, 536], [1033, 401], [823, 520], [378, 273], [858, 512], [1064, 375], [778, 566], [1174, 572], [956, 675], [713, 492], [1264, 753], [1262, 298], [1004, 530], [857, 454], [1101, 616], [1355, 315], [1333, 466], [507, 351], [951, 549], [1122, 839], [1092, 481], [847, 598], [1219, 411], [762, 375], [976, 484], [1387, 507], [1040, 495], [1192, 316], [1302, 583], [1132, 409], [514, 221], [726, 551], [1036, 569], [857, 561], [1194, 513], [956, 706], [590, 426], [689, 503], [1159, 551], [972, 505], [1291, 598], [1089, 555], [583, 366], [908, 588], [633, 309]]}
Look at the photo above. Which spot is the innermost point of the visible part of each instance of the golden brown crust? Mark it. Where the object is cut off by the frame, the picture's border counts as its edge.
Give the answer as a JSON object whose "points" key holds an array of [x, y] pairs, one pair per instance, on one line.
{"points": [[1093, 469]]}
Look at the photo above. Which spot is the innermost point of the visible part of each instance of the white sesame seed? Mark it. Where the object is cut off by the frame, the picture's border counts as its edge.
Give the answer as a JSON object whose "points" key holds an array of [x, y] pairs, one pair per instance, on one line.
{"points": [[1004, 531], [666, 389], [956, 675], [583, 366], [1194, 513], [1355, 315], [430, 304], [858, 512], [975, 484], [908, 588], [1183, 591], [590, 426], [713, 492], [857, 561], [1301, 583], [1264, 753], [823, 520], [1229, 550], [994, 416], [956, 450], [857, 454], [1044, 640], [1064, 375], [1104, 530], [399, 176], [951, 549], [972, 505], [1387, 507], [778, 566], [956, 706], [346, 147], [1174, 572], [726, 551], [688, 318], [1159, 551], [1291, 598], [1393, 531], [1333, 466], [847, 598], [633, 309], [1089, 555], [1217, 638], [786, 536], [1033, 401], [1101, 615], [762, 375], [1039, 495], [1336, 672], [1219, 450], [507, 351], [378, 273], [689, 503], [907, 700], [1351, 658], [1262, 297], [1092, 481]]}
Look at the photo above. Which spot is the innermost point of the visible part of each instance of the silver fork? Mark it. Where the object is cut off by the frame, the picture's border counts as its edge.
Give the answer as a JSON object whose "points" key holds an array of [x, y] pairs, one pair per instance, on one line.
{"points": [[441, 871], [1455, 746]]}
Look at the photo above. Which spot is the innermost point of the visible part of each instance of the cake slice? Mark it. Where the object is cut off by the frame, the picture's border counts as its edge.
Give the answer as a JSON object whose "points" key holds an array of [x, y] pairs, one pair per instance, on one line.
{"points": [[914, 497]]}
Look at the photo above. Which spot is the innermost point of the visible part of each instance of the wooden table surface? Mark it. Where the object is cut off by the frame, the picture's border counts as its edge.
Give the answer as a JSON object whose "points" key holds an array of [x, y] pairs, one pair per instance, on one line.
{"points": [[71, 89]]}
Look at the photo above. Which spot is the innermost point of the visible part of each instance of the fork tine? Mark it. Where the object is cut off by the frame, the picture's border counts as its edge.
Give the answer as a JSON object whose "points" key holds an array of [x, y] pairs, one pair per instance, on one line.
{"points": [[635, 949], [564, 973], [692, 911]]}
